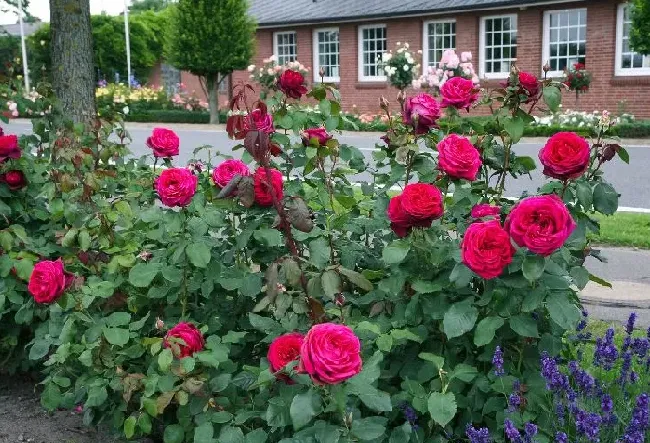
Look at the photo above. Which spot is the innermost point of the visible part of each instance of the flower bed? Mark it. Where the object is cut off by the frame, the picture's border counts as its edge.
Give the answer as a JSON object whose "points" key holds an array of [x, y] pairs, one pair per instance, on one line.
{"points": [[267, 299]]}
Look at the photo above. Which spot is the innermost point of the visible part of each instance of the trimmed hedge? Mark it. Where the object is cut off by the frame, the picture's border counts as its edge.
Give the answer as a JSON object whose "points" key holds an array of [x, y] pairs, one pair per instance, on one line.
{"points": [[170, 116]]}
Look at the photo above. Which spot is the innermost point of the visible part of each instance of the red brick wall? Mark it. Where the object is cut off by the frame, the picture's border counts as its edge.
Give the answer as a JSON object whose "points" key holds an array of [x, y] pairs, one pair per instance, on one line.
{"points": [[607, 91]]}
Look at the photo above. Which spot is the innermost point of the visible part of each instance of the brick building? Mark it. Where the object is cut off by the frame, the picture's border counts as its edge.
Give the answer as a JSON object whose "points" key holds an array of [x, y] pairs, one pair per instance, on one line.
{"points": [[344, 37]]}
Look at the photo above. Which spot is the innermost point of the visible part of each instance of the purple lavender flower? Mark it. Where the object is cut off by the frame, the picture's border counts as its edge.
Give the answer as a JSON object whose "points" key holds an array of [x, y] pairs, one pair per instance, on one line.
{"points": [[497, 361], [514, 402], [629, 328], [584, 381], [607, 404], [512, 432], [640, 347], [410, 415], [531, 431], [625, 368], [561, 437], [588, 424], [606, 353], [555, 380], [627, 342], [635, 431], [481, 435], [560, 412]]}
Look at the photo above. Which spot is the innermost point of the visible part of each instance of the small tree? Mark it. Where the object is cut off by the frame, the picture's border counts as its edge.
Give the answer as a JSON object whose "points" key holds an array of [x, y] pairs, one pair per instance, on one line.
{"points": [[211, 39], [640, 32]]}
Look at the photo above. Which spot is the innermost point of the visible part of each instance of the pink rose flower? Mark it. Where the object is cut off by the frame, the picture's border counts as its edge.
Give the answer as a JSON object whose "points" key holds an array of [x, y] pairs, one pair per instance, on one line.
{"points": [[176, 186], [541, 224], [258, 119], [164, 142], [263, 193], [458, 158], [459, 93], [9, 147], [330, 353], [223, 173], [422, 109], [485, 210], [320, 134], [284, 349], [184, 339], [565, 156], [486, 249], [48, 281]]}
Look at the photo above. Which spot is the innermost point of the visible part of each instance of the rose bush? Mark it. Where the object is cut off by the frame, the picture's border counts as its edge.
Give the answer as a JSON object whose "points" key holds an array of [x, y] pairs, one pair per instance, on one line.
{"points": [[292, 312]]}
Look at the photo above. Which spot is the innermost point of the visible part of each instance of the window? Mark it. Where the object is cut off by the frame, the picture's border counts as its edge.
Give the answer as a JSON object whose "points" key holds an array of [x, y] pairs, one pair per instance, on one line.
{"points": [[628, 62], [497, 45], [565, 39], [326, 54], [438, 37], [285, 47], [372, 45]]}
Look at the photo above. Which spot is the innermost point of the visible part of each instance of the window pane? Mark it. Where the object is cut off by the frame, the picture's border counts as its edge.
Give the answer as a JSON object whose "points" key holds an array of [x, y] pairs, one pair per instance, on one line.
{"points": [[500, 43], [567, 37], [441, 36], [373, 46]]}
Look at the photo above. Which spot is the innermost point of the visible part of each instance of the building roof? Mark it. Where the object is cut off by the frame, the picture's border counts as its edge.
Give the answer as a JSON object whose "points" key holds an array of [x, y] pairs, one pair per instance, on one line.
{"points": [[275, 13], [14, 29]]}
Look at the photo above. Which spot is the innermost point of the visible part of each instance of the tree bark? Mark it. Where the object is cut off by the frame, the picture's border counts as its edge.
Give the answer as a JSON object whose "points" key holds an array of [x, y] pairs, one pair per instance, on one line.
{"points": [[212, 82], [73, 75]]}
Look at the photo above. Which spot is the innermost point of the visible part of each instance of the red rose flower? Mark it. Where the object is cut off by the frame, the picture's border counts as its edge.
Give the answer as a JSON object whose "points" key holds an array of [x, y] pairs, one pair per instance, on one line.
{"points": [[422, 201], [164, 142], [400, 221], [565, 156], [541, 224], [284, 349], [48, 281], [458, 92], [529, 85], [319, 134], [330, 353], [223, 173], [485, 210], [421, 111], [486, 249], [9, 147], [264, 193], [235, 127], [176, 186], [292, 83], [258, 119], [458, 158], [184, 339], [14, 179]]}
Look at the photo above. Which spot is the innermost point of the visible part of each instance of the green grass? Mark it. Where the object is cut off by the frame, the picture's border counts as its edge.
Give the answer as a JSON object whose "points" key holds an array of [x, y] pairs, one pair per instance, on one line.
{"points": [[624, 229]]}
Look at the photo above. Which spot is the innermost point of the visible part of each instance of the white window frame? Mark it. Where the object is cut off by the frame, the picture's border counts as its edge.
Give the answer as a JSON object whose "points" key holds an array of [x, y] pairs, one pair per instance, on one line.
{"points": [[369, 78], [425, 40], [316, 55], [619, 69], [481, 47], [276, 52], [546, 39]]}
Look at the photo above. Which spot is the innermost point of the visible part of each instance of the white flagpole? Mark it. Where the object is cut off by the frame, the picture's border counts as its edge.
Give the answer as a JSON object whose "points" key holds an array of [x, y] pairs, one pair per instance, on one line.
{"points": [[24, 47], [128, 44]]}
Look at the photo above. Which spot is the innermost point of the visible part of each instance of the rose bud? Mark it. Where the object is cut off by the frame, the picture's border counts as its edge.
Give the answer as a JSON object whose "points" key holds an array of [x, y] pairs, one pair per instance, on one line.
{"points": [[383, 103], [160, 325]]}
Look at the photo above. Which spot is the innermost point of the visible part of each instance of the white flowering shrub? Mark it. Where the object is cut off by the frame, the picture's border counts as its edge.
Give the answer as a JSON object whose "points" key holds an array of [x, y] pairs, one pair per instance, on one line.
{"points": [[401, 66], [580, 119]]}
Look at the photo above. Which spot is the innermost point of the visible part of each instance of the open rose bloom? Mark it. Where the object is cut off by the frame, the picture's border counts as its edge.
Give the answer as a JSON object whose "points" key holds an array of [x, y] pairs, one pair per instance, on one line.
{"points": [[330, 354], [164, 143], [48, 281], [184, 340], [176, 186]]}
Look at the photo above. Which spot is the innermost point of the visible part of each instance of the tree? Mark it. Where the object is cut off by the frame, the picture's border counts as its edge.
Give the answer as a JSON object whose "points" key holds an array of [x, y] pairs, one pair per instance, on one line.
{"points": [[640, 31], [148, 5], [210, 39], [72, 75]]}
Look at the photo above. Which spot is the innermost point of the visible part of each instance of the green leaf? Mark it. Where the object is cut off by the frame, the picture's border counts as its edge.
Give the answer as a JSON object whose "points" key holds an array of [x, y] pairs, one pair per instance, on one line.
{"points": [[459, 319], [251, 285], [116, 336], [463, 372], [304, 408], [118, 319], [514, 126], [533, 299], [199, 254], [325, 107], [204, 433], [96, 396], [584, 194], [605, 199], [442, 407], [331, 282], [356, 279], [524, 325], [486, 329], [68, 238], [51, 397], [563, 311], [319, 252], [264, 324], [165, 359], [129, 426], [623, 154], [84, 240], [370, 428], [270, 237], [372, 397], [231, 434], [256, 436], [533, 267], [39, 349], [174, 434], [435, 359], [552, 97], [142, 274], [396, 252], [600, 281]]}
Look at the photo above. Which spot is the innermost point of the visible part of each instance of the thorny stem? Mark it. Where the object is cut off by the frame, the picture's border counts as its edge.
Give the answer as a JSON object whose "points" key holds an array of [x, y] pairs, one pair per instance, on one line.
{"points": [[506, 164], [184, 293], [409, 165], [565, 184]]}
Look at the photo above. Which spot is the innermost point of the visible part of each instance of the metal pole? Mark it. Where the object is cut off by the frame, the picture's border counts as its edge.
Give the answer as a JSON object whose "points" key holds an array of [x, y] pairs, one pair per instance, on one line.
{"points": [[128, 44], [24, 47]]}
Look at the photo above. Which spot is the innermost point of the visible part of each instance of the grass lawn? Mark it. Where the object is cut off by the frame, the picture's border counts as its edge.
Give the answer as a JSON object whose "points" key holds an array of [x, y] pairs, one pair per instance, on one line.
{"points": [[624, 229]]}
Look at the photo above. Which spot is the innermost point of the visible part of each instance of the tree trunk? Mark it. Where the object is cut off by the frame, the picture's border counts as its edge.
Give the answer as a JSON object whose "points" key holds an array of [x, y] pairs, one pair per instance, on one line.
{"points": [[73, 75], [212, 83]]}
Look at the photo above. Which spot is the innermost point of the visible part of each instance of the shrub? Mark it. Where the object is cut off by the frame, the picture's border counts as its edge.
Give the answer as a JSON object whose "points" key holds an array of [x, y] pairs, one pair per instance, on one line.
{"points": [[291, 305]]}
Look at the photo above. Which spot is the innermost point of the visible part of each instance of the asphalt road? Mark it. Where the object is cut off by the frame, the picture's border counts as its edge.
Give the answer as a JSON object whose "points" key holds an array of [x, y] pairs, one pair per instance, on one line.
{"points": [[630, 180]]}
